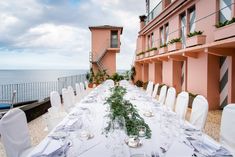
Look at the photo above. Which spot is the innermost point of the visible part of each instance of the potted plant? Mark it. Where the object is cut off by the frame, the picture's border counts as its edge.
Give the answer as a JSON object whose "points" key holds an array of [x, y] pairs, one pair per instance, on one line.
{"points": [[195, 38], [132, 73], [139, 83], [225, 29], [152, 51], [90, 78], [163, 49], [174, 44]]}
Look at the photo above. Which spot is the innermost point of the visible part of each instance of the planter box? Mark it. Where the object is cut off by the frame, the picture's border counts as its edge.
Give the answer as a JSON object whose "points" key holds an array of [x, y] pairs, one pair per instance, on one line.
{"points": [[163, 50], [196, 40], [174, 46], [141, 56], [152, 53], [224, 32], [146, 54]]}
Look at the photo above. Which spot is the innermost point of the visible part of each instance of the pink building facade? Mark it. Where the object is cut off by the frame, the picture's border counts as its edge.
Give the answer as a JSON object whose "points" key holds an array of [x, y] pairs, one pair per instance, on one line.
{"points": [[202, 63], [104, 46]]}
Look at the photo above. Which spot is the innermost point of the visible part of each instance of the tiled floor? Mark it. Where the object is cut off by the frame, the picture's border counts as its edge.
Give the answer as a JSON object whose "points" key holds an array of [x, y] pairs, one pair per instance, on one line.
{"points": [[37, 133]]}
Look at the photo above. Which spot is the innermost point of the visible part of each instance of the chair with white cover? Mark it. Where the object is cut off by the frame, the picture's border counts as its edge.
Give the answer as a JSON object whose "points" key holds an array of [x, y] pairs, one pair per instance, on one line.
{"points": [[149, 89], [154, 95], [72, 95], [67, 101], [86, 85], [78, 92], [170, 98], [162, 95], [55, 100], [199, 112], [15, 134], [82, 89], [181, 105], [227, 129]]}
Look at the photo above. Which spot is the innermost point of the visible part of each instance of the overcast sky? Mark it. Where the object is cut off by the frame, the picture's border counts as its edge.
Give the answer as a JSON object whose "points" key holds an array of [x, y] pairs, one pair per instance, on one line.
{"points": [[54, 34]]}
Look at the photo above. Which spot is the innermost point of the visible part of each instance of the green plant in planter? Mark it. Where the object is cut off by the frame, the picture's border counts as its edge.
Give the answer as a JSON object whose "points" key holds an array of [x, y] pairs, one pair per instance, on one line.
{"points": [[225, 23], [139, 83], [90, 76], [100, 76], [132, 73], [175, 40], [117, 77], [164, 45], [152, 49], [191, 34], [141, 53]]}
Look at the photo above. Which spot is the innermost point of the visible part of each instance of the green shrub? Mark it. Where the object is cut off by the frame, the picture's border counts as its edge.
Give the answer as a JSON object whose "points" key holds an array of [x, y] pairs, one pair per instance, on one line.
{"points": [[194, 33], [139, 83], [141, 53], [225, 23], [164, 45], [154, 48], [175, 40]]}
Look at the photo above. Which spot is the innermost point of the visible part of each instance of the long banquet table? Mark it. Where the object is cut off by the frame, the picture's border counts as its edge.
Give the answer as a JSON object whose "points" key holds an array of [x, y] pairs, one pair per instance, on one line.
{"points": [[90, 113]]}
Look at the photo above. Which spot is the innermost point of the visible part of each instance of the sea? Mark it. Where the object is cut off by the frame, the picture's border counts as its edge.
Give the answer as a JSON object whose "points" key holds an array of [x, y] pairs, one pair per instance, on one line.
{"points": [[27, 76], [36, 84]]}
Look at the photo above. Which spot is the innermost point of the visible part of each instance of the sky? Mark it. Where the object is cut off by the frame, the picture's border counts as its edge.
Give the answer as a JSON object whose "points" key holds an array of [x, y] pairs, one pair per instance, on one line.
{"points": [[54, 34]]}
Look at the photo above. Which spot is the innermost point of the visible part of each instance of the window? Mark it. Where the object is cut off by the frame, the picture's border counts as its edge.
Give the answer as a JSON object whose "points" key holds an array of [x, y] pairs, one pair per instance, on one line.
{"points": [[152, 40], [192, 19], [225, 10], [114, 39], [149, 41], [167, 32], [183, 31], [162, 41]]}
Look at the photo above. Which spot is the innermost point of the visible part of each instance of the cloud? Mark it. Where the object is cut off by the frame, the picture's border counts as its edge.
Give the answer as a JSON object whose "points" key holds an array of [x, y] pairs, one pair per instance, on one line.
{"points": [[54, 34]]}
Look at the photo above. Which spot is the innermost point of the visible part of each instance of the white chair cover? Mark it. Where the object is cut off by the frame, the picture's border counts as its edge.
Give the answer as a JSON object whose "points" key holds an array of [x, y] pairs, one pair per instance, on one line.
{"points": [[227, 129], [162, 95], [78, 92], [199, 112], [155, 90], [86, 85], [55, 100], [182, 104], [14, 132], [67, 101], [71, 93], [149, 89], [170, 98]]}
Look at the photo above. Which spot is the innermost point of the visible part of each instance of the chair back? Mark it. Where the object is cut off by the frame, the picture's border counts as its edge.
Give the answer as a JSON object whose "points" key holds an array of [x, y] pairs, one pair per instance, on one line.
{"points": [[67, 101], [162, 95], [170, 98], [227, 129], [55, 100], [86, 85], [149, 89], [71, 93], [82, 87], [181, 105], [199, 112], [154, 94], [14, 132]]}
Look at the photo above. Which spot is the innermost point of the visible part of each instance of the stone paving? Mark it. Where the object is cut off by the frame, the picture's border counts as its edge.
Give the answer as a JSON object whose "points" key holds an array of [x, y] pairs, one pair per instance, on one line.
{"points": [[37, 126]]}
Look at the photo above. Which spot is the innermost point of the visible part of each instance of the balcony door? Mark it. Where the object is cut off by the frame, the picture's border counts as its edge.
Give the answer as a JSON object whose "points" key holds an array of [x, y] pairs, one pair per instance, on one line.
{"points": [[183, 30], [114, 39]]}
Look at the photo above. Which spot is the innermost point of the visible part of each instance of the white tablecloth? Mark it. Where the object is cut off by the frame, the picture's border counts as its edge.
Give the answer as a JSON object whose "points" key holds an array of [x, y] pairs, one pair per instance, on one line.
{"points": [[102, 146]]}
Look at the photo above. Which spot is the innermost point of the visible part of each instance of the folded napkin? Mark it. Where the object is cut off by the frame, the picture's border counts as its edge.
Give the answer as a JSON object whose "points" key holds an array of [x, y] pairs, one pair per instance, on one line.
{"points": [[209, 147], [49, 148]]}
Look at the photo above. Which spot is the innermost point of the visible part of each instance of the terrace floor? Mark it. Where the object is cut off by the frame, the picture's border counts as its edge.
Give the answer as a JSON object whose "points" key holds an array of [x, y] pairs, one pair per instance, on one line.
{"points": [[37, 126]]}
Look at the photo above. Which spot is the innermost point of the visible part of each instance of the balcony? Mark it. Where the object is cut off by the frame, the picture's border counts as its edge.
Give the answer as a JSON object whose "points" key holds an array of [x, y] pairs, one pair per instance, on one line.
{"points": [[224, 32], [154, 13]]}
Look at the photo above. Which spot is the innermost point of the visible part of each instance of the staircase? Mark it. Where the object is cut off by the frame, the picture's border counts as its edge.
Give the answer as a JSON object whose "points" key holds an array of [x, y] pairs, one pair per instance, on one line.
{"points": [[98, 60]]}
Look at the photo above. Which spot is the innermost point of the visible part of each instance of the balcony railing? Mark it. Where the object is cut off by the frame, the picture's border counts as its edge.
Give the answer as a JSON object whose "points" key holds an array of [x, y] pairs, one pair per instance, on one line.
{"points": [[37, 90], [154, 13]]}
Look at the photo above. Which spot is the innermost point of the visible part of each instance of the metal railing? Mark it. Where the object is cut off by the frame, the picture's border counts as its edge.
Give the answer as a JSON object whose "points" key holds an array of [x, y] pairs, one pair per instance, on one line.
{"points": [[154, 13], [37, 90]]}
